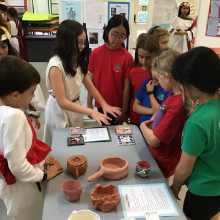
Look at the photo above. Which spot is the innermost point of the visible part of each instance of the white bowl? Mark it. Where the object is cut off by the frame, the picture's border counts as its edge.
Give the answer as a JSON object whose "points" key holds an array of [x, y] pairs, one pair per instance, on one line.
{"points": [[84, 215]]}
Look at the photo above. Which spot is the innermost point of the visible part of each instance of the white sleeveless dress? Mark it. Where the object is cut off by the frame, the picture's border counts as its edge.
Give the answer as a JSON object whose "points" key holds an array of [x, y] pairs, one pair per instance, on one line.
{"points": [[14, 32], [55, 117]]}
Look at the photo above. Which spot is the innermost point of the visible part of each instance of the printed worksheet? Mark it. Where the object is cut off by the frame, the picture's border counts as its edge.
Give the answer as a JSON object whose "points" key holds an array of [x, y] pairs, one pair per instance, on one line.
{"points": [[96, 134], [137, 200]]}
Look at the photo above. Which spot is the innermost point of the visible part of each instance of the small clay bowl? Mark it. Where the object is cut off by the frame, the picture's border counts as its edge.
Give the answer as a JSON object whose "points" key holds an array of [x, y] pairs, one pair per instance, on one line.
{"points": [[105, 198], [72, 190], [143, 169]]}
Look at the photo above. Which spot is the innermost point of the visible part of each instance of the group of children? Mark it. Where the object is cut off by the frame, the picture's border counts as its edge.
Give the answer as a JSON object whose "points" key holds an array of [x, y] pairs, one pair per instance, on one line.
{"points": [[158, 75], [9, 20]]}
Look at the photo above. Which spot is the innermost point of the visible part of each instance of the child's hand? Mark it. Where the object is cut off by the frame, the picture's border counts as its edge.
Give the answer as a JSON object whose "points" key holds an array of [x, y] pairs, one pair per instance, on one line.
{"points": [[115, 111], [53, 171], [99, 117], [121, 118], [150, 85], [146, 124], [50, 161], [34, 121]]}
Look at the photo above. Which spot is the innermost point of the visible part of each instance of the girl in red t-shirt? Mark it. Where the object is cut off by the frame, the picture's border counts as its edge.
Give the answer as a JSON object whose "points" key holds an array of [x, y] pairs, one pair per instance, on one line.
{"points": [[145, 48], [109, 66], [165, 141]]}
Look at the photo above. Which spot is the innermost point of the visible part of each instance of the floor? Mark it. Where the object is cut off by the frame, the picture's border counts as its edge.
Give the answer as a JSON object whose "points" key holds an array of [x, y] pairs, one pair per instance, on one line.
{"points": [[41, 67]]}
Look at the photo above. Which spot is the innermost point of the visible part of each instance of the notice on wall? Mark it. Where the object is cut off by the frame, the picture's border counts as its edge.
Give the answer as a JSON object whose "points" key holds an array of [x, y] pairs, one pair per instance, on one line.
{"points": [[94, 14], [213, 24], [71, 10], [119, 8], [137, 200]]}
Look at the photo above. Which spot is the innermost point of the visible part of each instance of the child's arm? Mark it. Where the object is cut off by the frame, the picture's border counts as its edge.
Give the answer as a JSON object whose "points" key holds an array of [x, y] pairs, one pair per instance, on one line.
{"points": [[151, 139], [155, 105], [89, 97], [59, 92], [182, 172], [126, 98], [15, 140], [95, 93], [138, 108]]}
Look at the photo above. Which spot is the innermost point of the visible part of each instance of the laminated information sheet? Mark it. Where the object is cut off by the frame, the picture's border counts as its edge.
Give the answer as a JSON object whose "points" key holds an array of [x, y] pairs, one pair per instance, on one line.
{"points": [[137, 200]]}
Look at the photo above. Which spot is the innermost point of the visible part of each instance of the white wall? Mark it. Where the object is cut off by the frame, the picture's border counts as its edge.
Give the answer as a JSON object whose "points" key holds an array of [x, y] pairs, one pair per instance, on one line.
{"points": [[201, 38], [40, 6]]}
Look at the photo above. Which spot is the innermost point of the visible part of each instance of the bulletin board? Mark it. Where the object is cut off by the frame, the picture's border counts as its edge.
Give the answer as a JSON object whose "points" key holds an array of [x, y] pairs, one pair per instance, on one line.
{"points": [[213, 23]]}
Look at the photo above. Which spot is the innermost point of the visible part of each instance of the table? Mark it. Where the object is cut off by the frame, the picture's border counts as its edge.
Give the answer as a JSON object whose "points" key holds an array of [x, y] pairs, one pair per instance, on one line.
{"points": [[56, 206]]}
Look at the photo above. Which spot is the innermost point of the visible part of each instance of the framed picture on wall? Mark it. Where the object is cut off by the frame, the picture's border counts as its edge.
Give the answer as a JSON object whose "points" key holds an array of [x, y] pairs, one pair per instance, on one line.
{"points": [[70, 10], [118, 8], [95, 37]]}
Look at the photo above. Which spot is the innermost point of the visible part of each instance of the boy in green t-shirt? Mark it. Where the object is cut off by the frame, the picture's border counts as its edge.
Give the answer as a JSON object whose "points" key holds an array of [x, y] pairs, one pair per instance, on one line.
{"points": [[198, 72]]}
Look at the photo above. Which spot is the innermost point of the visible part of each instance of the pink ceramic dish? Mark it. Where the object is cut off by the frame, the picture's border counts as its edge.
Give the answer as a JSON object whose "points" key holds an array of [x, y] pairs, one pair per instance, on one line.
{"points": [[105, 198], [112, 168], [72, 190]]}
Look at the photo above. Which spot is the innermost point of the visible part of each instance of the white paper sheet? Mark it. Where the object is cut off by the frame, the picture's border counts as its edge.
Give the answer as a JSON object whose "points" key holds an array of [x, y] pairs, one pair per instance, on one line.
{"points": [[95, 37], [137, 200], [94, 14], [96, 134]]}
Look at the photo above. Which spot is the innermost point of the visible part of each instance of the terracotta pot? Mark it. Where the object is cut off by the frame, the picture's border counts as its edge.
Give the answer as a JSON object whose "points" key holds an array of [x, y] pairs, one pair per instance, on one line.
{"points": [[77, 165], [105, 198], [112, 168], [84, 215], [72, 190]]}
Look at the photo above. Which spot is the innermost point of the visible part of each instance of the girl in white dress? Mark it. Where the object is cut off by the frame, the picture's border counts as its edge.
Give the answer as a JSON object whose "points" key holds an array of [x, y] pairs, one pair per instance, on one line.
{"points": [[182, 29], [13, 28], [22, 155], [66, 71]]}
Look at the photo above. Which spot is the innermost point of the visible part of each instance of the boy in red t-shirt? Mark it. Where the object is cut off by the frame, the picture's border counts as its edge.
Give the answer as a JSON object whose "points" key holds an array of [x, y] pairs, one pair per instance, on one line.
{"points": [[165, 141]]}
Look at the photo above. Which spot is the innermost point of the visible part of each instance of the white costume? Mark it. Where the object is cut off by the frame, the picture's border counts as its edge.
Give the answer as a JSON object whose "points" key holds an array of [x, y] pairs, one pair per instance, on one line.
{"points": [[179, 42], [14, 33], [23, 199], [38, 102], [55, 117]]}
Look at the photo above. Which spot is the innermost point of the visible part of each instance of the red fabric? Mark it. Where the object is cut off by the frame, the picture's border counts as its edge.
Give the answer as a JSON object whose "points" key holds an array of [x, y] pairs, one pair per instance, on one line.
{"points": [[38, 151], [22, 43], [137, 76], [36, 154], [169, 132], [6, 172], [110, 68]]}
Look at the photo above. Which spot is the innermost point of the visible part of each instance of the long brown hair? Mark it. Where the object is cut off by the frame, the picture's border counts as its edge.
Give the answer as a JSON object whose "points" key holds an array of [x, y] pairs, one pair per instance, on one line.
{"points": [[146, 42], [13, 13]]}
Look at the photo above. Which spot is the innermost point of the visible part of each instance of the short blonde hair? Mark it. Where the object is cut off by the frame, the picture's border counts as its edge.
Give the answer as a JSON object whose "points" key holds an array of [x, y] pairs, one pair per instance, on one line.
{"points": [[162, 63]]}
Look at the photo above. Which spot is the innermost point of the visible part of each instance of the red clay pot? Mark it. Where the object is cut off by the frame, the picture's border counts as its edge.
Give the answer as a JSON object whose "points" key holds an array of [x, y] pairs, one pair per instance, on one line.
{"points": [[105, 198]]}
